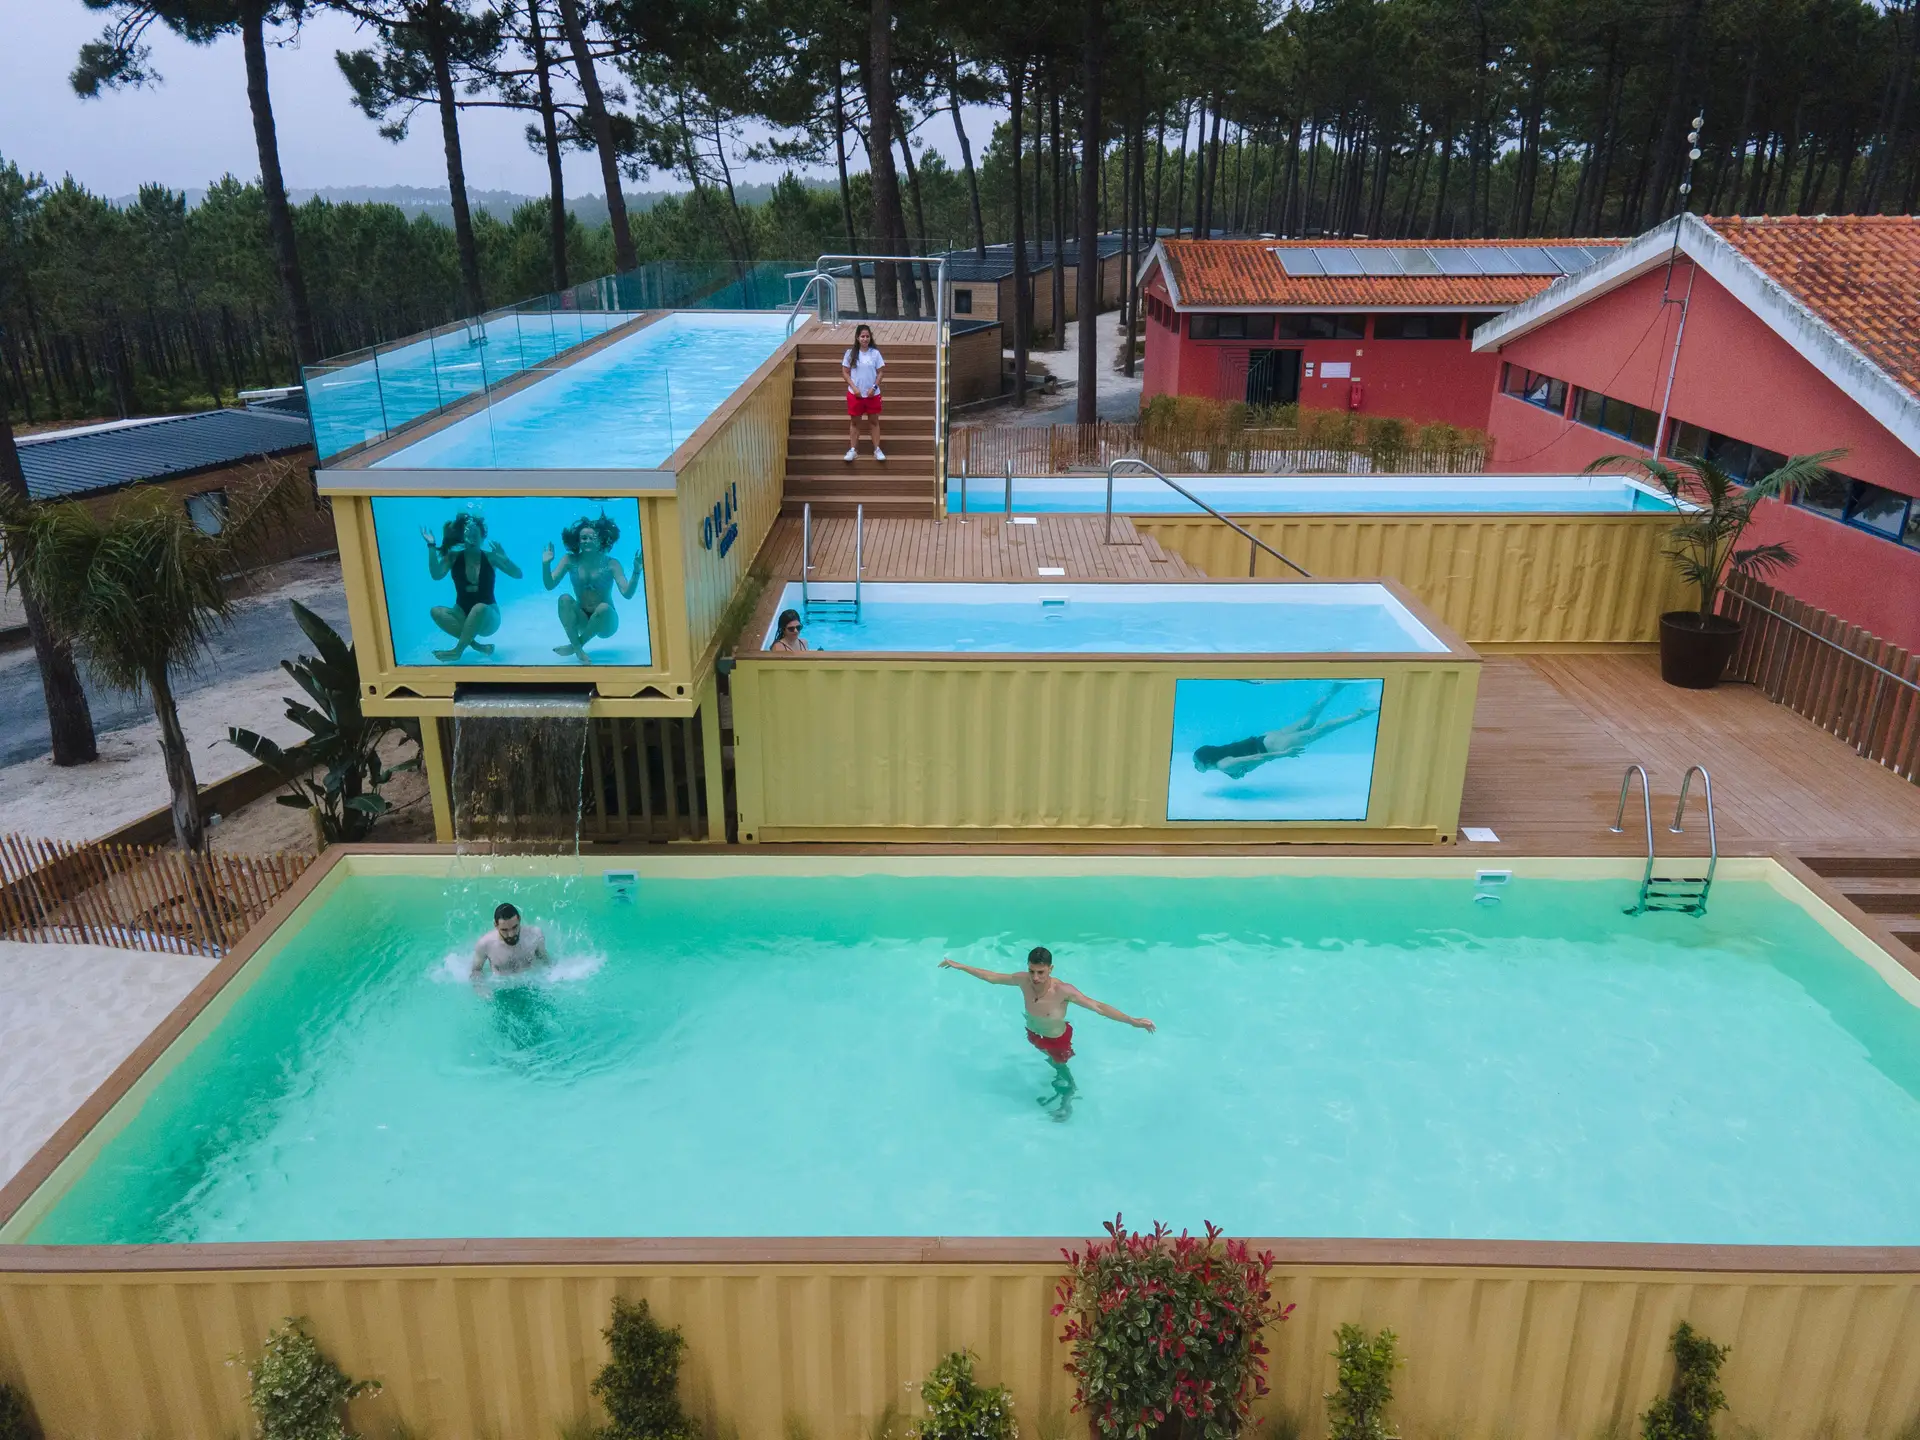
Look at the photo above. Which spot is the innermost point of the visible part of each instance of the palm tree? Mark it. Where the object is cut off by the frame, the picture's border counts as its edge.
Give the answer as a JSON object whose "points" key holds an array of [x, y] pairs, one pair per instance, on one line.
{"points": [[138, 588], [119, 59], [1715, 510]]}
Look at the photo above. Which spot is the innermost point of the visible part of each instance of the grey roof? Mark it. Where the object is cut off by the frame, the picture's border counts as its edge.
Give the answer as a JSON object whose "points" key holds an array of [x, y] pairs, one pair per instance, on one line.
{"points": [[106, 457]]}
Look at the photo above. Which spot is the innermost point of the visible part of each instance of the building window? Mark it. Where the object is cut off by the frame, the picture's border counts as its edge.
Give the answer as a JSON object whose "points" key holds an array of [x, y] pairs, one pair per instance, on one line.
{"points": [[1616, 417], [1232, 327], [1323, 327], [1416, 327], [963, 302], [1535, 388], [208, 511], [1873, 508]]}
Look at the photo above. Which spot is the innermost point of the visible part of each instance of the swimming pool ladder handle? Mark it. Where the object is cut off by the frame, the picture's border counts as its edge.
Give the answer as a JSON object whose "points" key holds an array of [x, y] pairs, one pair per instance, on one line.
{"points": [[830, 294], [1009, 495], [859, 533], [806, 550], [1713, 834], [1254, 542], [1662, 893]]}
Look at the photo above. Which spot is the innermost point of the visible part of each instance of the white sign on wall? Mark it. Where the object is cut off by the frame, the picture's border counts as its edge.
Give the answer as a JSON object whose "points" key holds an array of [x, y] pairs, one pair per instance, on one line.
{"points": [[1336, 369]]}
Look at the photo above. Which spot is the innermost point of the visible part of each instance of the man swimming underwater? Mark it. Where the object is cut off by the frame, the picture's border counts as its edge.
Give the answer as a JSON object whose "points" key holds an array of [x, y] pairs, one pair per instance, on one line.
{"points": [[1242, 757]]}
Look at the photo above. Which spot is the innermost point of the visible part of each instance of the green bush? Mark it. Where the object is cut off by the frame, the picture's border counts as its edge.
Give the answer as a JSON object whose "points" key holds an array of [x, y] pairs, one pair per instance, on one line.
{"points": [[1168, 1333], [639, 1384], [1357, 1408], [1686, 1411], [295, 1391], [16, 1421], [961, 1408]]}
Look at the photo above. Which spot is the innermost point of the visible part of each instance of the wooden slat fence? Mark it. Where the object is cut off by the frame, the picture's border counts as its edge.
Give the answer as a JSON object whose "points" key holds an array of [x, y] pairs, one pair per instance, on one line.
{"points": [[136, 897], [1847, 681], [1058, 449]]}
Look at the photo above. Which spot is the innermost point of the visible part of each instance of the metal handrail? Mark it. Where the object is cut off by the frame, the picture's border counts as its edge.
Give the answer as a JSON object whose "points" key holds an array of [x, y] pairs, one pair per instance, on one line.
{"points": [[833, 301], [1897, 679], [939, 349], [859, 533], [1157, 473], [1713, 834], [806, 551], [1620, 814]]}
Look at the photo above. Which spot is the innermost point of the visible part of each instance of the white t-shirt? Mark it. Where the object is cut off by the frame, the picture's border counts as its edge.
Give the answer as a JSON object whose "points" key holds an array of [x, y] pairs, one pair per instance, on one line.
{"points": [[866, 366]]}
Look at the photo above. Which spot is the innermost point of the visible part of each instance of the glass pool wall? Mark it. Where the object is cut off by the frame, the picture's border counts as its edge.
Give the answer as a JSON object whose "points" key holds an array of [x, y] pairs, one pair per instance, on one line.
{"points": [[366, 395]]}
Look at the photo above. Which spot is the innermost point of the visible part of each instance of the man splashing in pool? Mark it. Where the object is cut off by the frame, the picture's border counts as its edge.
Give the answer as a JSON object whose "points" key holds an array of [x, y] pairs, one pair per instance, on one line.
{"points": [[509, 947], [1048, 1029]]}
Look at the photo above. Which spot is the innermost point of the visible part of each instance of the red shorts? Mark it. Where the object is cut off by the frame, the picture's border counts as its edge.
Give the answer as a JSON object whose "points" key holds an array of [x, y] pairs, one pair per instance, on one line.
{"points": [[858, 405], [1057, 1048]]}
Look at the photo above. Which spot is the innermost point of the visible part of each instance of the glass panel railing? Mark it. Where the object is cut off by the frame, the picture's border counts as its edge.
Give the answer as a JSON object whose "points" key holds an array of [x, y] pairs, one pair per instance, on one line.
{"points": [[369, 395]]}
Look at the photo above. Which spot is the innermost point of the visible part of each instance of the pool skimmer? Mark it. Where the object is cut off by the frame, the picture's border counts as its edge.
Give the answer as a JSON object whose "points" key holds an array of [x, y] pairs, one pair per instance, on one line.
{"points": [[621, 884], [1488, 885]]}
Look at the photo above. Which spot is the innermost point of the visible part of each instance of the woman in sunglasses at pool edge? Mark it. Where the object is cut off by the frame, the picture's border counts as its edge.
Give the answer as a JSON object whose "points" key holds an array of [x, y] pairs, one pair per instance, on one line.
{"points": [[787, 641]]}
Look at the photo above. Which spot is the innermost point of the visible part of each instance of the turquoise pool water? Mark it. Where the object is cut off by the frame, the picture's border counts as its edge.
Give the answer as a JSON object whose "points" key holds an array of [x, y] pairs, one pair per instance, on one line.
{"points": [[1311, 494], [758, 1055], [629, 406], [1109, 619], [351, 404]]}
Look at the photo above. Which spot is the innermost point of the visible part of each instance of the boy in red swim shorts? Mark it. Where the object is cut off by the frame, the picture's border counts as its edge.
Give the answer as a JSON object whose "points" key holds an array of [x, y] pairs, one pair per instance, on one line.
{"points": [[1048, 1029]]}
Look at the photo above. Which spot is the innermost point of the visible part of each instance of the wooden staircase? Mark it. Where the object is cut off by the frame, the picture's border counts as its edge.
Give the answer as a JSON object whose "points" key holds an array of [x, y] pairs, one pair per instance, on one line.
{"points": [[905, 485], [1886, 888]]}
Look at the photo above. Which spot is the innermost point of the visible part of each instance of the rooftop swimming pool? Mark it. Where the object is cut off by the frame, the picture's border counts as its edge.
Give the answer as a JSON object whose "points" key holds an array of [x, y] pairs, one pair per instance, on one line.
{"points": [[1061, 618], [627, 407], [767, 1047], [362, 400], [1314, 494]]}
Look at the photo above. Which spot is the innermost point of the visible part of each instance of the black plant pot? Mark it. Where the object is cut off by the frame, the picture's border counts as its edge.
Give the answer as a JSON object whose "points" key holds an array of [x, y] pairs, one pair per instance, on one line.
{"points": [[1695, 648]]}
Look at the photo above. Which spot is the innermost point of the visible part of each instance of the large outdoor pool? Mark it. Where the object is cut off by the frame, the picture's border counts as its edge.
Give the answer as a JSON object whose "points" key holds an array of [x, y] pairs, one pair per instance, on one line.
{"points": [[1023, 618], [1135, 494], [768, 1048], [627, 407]]}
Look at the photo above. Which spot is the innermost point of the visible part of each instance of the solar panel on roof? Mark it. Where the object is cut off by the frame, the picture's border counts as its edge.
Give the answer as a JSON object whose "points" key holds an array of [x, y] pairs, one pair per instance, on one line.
{"points": [[1376, 261], [1495, 260], [1297, 261], [1569, 257], [1339, 261], [1531, 259], [1455, 262], [1417, 262]]}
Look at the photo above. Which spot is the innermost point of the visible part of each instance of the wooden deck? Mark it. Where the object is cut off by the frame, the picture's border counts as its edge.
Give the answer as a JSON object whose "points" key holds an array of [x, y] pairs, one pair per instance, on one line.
{"points": [[1553, 734], [982, 548]]}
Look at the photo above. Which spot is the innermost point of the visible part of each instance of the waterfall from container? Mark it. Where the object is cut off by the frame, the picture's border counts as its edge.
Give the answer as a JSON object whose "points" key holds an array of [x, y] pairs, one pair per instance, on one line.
{"points": [[519, 770]]}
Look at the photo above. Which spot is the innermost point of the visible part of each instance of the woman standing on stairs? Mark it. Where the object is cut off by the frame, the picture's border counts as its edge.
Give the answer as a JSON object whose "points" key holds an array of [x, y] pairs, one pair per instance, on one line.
{"points": [[862, 366]]}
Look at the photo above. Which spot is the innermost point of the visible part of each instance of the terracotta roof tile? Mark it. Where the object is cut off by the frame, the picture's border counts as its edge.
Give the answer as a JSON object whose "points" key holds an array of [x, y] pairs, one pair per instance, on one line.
{"points": [[1248, 272], [1858, 273]]}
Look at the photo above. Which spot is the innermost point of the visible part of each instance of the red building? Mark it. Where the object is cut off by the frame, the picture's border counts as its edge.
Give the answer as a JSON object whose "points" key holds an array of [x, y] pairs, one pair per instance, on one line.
{"points": [[1383, 327], [1745, 341]]}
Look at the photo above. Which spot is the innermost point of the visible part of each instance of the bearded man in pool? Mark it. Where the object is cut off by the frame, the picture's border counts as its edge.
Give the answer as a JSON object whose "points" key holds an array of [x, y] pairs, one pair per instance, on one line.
{"points": [[1048, 1029]]}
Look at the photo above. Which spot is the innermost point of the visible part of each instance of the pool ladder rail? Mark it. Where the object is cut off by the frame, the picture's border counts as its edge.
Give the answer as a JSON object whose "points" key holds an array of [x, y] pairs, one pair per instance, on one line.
{"points": [[830, 609], [1684, 893]]}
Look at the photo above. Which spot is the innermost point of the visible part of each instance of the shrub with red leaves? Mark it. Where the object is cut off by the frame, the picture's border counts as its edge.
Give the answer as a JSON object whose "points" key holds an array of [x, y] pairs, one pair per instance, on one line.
{"points": [[1166, 1333]]}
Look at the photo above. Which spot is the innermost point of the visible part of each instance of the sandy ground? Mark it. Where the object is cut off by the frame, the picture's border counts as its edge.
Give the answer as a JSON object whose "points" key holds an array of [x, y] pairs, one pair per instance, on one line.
{"points": [[264, 825], [129, 779], [69, 1014], [1119, 396]]}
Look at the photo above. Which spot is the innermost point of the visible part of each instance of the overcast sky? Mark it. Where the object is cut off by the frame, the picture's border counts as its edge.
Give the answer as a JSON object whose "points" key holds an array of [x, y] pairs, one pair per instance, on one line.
{"points": [[194, 127]]}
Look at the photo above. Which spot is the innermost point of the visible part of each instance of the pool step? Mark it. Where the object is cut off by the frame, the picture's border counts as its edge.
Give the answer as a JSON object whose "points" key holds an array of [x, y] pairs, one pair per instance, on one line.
{"points": [[1886, 887]]}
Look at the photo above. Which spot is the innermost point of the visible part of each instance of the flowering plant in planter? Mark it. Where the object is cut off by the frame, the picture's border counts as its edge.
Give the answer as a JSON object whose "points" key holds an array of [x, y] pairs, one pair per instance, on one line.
{"points": [[1166, 1333]]}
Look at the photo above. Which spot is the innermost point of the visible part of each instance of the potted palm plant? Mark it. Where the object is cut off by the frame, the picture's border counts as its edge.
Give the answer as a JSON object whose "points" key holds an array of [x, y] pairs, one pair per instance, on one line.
{"points": [[1704, 545]]}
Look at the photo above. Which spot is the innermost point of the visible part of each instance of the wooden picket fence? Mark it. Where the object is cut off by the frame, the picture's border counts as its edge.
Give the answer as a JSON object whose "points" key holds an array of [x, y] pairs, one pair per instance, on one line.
{"points": [[1847, 681], [136, 897], [987, 450]]}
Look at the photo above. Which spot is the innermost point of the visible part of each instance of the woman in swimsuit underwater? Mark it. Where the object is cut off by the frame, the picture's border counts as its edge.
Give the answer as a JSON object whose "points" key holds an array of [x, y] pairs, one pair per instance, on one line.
{"points": [[588, 613], [462, 553]]}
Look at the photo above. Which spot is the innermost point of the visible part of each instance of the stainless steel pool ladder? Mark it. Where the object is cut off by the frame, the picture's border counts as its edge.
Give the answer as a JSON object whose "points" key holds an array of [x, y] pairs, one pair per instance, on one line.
{"points": [[1685, 893], [1254, 543], [831, 609]]}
